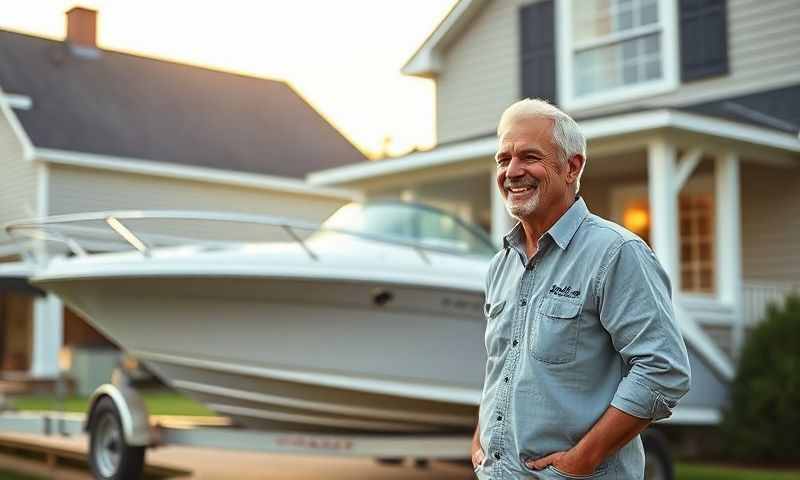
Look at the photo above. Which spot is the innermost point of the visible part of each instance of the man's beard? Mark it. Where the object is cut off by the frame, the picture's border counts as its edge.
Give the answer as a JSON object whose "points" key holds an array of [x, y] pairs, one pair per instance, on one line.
{"points": [[519, 210]]}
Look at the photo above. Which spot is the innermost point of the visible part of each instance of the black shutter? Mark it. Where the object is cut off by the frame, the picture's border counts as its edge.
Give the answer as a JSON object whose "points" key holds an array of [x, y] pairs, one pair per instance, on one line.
{"points": [[538, 50], [704, 39]]}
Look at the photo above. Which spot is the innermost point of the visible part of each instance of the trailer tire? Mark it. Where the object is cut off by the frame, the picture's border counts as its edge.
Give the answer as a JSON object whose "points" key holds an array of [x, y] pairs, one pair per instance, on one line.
{"points": [[110, 457], [657, 459]]}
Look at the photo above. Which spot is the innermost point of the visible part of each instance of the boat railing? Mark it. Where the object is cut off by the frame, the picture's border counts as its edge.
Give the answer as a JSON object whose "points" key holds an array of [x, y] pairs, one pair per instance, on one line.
{"points": [[116, 225]]}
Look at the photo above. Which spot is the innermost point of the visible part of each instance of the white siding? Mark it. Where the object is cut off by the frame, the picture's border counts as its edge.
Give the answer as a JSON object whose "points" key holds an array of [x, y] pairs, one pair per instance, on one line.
{"points": [[77, 189], [480, 72], [18, 178]]}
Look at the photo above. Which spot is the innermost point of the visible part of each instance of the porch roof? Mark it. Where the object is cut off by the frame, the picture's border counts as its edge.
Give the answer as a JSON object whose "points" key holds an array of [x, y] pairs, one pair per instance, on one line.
{"points": [[593, 129]]}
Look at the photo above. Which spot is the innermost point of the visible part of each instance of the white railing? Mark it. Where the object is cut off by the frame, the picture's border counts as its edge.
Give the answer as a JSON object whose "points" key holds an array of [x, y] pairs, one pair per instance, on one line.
{"points": [[757, 296]]}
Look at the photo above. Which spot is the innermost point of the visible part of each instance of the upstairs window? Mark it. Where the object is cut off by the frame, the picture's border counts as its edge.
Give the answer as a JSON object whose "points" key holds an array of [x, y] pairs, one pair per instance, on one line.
{"points": [[612, 50]]}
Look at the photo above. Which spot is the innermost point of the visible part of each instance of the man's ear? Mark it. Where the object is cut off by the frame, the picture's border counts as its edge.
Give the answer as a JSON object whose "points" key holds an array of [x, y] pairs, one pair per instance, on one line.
{"points": [[574, 166]]}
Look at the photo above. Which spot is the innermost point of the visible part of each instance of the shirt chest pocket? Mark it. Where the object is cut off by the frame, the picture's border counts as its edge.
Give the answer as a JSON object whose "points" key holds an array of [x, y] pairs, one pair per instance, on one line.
{"points": [[554, 337]]}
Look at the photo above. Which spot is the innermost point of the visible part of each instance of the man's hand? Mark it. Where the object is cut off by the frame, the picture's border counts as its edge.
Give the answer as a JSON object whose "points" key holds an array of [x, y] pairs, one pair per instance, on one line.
{"points": [[477, 456], [566, 462]]}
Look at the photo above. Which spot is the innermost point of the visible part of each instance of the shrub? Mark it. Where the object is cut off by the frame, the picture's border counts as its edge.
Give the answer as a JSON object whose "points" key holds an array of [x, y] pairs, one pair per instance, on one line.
{"points": [[763, 419]]}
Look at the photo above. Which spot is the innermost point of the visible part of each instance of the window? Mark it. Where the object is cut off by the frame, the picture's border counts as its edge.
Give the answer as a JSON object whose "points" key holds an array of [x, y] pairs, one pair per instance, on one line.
{"points": [[612, 50], [696, 227], [696, 237]]}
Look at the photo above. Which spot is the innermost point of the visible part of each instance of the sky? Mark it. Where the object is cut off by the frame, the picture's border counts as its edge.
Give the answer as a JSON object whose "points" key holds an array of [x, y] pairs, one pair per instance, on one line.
{"points": [[343, 56]]}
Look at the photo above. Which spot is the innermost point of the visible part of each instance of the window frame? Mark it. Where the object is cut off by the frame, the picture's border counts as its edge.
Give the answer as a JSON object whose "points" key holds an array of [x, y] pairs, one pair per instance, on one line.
{"points": [[699, 184], [565, 55]]}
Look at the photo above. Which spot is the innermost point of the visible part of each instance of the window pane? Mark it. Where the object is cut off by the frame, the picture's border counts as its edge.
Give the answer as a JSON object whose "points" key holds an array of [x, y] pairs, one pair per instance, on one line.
{"points": [[625, 63], [595, 19], [649, 12]]}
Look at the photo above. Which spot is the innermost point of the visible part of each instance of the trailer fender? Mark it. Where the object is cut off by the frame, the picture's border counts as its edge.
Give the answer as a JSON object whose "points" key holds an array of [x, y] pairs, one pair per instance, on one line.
{"points": [[132, 411]]}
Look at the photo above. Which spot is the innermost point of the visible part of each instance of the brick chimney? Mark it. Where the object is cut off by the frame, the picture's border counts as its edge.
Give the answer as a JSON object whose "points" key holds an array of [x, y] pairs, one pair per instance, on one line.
{"points": [[82, 27]]}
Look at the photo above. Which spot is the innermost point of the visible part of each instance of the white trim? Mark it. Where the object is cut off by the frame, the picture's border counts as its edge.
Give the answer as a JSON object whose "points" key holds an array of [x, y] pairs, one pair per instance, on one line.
{"points": [[42, 189], [19, 102], [186, 172], [594, 129], [566, 47], [16, 127], [727, 226], [686, 165], [48, 336], [426, 61], [440, 156]]}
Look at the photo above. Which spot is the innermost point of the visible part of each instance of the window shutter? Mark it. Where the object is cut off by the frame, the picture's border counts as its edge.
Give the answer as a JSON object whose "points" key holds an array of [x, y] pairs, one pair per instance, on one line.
{"points": [[537, 50], [704, 39]]}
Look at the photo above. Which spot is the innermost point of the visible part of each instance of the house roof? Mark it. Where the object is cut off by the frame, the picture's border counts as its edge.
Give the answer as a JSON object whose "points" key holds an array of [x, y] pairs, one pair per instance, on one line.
{"points": [[122, 105]]}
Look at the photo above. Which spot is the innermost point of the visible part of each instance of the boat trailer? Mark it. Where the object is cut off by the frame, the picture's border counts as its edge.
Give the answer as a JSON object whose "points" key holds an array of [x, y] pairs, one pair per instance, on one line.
{"points": [[121, 430]]}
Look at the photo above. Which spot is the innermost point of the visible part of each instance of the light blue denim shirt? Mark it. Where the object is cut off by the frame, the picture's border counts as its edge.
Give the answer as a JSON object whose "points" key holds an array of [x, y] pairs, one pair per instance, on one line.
{"points": [[584, 324]]}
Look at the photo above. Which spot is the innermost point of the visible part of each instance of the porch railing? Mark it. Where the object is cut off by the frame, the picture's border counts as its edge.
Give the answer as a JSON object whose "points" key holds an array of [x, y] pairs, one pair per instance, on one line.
{"points": [[759, 295]]}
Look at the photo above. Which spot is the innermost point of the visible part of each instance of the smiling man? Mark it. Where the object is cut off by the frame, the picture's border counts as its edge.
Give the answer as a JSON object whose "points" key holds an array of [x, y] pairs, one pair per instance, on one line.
{"points": [[583, 348]]}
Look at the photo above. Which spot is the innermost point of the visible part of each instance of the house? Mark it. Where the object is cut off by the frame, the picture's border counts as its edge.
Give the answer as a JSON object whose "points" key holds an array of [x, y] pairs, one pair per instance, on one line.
{"points": [[86, 129], [691, 110]]}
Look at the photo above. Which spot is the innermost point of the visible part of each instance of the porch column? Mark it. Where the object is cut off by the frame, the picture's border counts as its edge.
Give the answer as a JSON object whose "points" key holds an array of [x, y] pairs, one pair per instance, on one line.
{"points": [[48, 335], [664, 208], [728, 240], [502, 222]]}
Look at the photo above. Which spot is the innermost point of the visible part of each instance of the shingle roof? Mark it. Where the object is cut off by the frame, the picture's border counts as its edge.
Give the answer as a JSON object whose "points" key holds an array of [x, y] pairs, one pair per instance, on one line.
{"points": [[119, 104]]}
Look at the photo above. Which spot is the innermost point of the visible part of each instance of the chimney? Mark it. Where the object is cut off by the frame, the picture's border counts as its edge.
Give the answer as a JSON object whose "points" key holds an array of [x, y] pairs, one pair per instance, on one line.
{"points": [[82, 27]]}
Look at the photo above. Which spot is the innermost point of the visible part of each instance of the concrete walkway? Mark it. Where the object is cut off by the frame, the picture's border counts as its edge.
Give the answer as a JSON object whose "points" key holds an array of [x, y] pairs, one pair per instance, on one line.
{"points": [[211, 464]]}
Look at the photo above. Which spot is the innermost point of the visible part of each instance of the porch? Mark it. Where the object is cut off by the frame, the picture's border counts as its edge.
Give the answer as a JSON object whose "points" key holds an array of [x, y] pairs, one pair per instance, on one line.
{"points": [[714, 199]]}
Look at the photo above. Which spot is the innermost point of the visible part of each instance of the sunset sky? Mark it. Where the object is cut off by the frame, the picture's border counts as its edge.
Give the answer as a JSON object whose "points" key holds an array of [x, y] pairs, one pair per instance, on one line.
{"points": [[343, 56]]}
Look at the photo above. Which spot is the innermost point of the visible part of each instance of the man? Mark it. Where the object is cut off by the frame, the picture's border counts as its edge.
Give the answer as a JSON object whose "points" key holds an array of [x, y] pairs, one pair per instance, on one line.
{"points": [[583, 348]]}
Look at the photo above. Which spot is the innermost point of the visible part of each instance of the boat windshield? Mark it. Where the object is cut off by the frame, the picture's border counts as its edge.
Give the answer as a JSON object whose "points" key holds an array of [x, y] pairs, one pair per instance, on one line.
{"points": [[415, 223]]}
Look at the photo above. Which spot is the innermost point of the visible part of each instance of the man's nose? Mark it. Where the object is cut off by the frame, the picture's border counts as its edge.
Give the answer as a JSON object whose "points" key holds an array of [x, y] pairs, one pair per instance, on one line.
{"points": [[515, 168]]}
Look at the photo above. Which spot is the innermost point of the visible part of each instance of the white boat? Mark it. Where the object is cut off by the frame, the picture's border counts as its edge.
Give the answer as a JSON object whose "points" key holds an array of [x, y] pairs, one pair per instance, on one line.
{"points": [[373, 322], [370, 322]]}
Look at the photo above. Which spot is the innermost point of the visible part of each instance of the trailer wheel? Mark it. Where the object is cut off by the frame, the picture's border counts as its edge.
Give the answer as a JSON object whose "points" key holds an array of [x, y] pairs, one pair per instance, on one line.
{"points": [[110, 458], [657, 459]]}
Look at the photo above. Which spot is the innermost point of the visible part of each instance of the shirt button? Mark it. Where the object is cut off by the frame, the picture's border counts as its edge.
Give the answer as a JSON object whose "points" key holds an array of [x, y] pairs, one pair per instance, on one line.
{"points": [[497, 455], [523, 302], [514, 343], [505, 379], [499, 417]]}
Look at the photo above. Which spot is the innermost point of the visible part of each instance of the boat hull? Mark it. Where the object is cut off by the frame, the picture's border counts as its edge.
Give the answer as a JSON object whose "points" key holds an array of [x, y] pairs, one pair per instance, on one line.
{"points": [[295, 354]]}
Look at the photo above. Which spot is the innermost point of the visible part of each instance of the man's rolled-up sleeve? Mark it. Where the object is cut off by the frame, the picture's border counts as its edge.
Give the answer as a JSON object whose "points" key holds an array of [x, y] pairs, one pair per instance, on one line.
{"points": [[636, 309]]}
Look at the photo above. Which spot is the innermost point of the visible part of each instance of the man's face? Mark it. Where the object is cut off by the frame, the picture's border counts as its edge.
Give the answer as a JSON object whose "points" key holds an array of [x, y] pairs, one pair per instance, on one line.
{"points": [[530, 175]]}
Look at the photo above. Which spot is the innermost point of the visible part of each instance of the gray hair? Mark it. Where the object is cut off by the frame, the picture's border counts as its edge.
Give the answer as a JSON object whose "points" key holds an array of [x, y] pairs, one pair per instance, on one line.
{"points": [[567, 135]]}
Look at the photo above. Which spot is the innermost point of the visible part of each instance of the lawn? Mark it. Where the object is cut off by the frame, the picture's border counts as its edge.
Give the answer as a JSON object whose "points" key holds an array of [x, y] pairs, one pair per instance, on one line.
{"points": [[692, 471], [7, 475], [159, 402]]}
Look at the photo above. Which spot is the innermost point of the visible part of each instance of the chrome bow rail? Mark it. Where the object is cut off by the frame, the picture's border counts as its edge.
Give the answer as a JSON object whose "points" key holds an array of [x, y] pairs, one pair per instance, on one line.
{"points": [[66, 230]]}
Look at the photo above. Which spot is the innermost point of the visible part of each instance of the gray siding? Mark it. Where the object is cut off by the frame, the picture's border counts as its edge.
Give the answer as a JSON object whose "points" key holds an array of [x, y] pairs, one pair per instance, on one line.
{"points": [[75, 189], [480, 74], [770, 223], [18, 179]]}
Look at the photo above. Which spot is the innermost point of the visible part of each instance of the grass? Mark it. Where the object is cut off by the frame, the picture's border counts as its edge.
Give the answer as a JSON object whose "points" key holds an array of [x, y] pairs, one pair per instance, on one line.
{"points": [[7, 475], [693, 471], [159, 402]]}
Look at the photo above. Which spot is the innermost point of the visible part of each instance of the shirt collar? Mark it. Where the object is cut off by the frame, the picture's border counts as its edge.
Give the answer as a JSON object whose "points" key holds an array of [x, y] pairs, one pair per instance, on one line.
{"points": [[561, 232]]}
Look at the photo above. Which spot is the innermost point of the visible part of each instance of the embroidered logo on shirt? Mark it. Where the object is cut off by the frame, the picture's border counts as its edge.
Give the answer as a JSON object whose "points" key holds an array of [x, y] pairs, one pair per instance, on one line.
{"points": [[564, 291]]}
